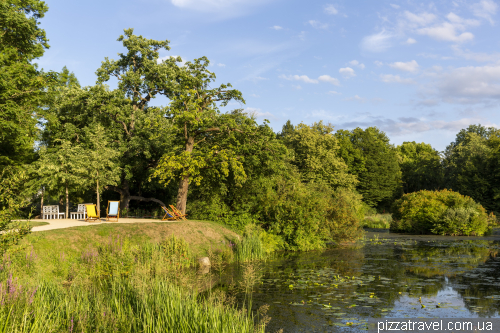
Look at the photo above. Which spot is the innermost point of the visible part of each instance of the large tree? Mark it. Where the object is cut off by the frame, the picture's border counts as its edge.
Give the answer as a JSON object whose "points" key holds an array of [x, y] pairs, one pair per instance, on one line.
{"points": [[471, 168], [206, 137], [59, 170], [316, 155], [377, 167], [421, 167], [138, 132], [23, 88]]}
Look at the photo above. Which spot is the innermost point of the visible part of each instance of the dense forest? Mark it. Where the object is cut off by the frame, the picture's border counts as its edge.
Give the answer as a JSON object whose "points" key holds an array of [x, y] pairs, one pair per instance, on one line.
{"points": [[304, 185]]}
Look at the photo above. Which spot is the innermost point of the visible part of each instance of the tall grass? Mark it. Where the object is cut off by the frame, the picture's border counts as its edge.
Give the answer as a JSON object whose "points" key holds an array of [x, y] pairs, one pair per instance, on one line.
{"points": [[377, 221], [153, 306], [119, 287], [249, 248]]}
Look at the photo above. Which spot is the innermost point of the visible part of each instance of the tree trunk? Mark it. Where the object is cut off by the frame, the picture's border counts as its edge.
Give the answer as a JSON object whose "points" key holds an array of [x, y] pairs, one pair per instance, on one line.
{"points": [[67, 201], [98, 202], [184, 183], [41, 203], [182, 194]]}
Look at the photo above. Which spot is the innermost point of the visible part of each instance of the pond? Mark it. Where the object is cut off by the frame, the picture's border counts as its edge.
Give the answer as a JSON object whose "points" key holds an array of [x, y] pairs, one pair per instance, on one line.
{"points": [[385, 276]]}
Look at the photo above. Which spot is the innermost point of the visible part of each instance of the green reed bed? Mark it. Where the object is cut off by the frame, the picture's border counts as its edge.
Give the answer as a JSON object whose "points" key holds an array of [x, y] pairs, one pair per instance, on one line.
{"points": [[121, 306], [249, 248], [377, 221], [116, 287]]}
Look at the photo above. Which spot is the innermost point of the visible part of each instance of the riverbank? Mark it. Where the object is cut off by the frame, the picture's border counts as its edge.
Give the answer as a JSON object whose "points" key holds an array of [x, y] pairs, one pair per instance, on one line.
{"points": [[74, 235]]}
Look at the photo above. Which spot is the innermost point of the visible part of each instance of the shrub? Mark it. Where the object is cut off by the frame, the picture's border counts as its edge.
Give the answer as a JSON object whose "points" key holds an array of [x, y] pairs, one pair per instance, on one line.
{"points": [[439, 212]]}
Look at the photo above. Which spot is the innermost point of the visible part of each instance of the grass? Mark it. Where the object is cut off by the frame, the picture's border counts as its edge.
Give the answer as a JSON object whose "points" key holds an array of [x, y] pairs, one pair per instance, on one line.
{"points": [[154, 306], [377, 221], [249, 248], [119, 277], [32, 223], [200, 235]]}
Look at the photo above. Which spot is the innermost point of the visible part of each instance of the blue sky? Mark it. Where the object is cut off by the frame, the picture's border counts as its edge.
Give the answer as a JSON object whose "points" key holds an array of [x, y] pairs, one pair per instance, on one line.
{"points": [[420, 71]]}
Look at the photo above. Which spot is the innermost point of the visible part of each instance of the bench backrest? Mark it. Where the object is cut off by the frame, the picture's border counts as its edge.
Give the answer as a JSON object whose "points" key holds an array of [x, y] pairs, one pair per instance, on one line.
{"points": [[81, 207], [51, 209]]}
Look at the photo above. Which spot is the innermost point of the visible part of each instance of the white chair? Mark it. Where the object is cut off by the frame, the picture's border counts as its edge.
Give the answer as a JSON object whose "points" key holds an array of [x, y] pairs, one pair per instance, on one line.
{"points": [[52, 212], [80, 213]]}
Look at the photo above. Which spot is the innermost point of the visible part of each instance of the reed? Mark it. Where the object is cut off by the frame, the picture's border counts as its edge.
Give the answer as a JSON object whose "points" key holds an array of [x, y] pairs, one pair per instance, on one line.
{"points": [[249, 248], [153, 306], [118, 287]]}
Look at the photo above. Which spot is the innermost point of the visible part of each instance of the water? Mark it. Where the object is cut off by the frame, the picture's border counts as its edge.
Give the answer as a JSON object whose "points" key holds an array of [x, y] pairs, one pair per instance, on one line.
{"points": [[386, 276]]}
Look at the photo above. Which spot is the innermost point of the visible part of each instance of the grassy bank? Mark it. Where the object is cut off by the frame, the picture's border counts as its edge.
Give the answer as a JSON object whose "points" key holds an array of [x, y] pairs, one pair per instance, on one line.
{"points": [[124, 278]]}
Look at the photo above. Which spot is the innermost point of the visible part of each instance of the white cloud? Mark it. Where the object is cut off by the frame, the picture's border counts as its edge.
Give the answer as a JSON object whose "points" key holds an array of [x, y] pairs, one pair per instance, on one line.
{"points": [[378, 63], [410, 41], [306, 79], [302, 35], [476, 56], [329, 79], [221, 65], [411, 66], [276, 27], [389, 78], [303, 78], [317, 24], [333, 92], [216, 6], [330, 9], [446, 32], [485, 9], [257, 113], [395, 6], [412, 125], [347, 72], [378, 42], [416, 20], [356, 63], [469, 85]]}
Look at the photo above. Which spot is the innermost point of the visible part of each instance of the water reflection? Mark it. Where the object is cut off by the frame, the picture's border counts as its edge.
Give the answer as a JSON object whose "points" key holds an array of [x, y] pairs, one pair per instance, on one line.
{"points": [[339, 289]]}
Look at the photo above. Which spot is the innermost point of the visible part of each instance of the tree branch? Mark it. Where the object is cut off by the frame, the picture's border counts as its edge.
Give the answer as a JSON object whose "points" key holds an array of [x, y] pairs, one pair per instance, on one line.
{"points": [[138, 198]]}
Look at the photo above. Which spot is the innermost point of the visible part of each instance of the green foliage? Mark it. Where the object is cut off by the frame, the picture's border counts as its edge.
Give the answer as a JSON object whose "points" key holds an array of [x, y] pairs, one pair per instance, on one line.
{"points": [[286, 130], [20, 28], [121, 306], [374, 161], [23, 88], [439, 212], [249, 248], [12, 199], [206, 139], [471, 166], [316, 156], [176, 250], [377, 221], [421, 167]]}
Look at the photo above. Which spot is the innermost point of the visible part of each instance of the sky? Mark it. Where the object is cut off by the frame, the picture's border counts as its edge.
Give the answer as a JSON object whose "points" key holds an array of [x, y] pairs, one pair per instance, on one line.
{"points": [[419, 71]]}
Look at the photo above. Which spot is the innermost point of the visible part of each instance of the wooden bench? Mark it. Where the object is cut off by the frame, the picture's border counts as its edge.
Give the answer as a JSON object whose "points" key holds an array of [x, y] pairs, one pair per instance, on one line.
{"points": [[81, 212], [49, 212]]}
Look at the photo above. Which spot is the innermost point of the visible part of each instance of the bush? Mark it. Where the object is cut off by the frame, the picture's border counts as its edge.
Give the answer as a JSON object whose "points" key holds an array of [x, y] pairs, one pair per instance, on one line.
{"points": [[440, 212], [294, 215]]}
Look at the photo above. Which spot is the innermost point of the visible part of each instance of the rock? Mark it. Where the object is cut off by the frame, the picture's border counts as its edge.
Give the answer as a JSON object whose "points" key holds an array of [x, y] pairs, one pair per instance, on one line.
{"points": [[205, 261]]}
